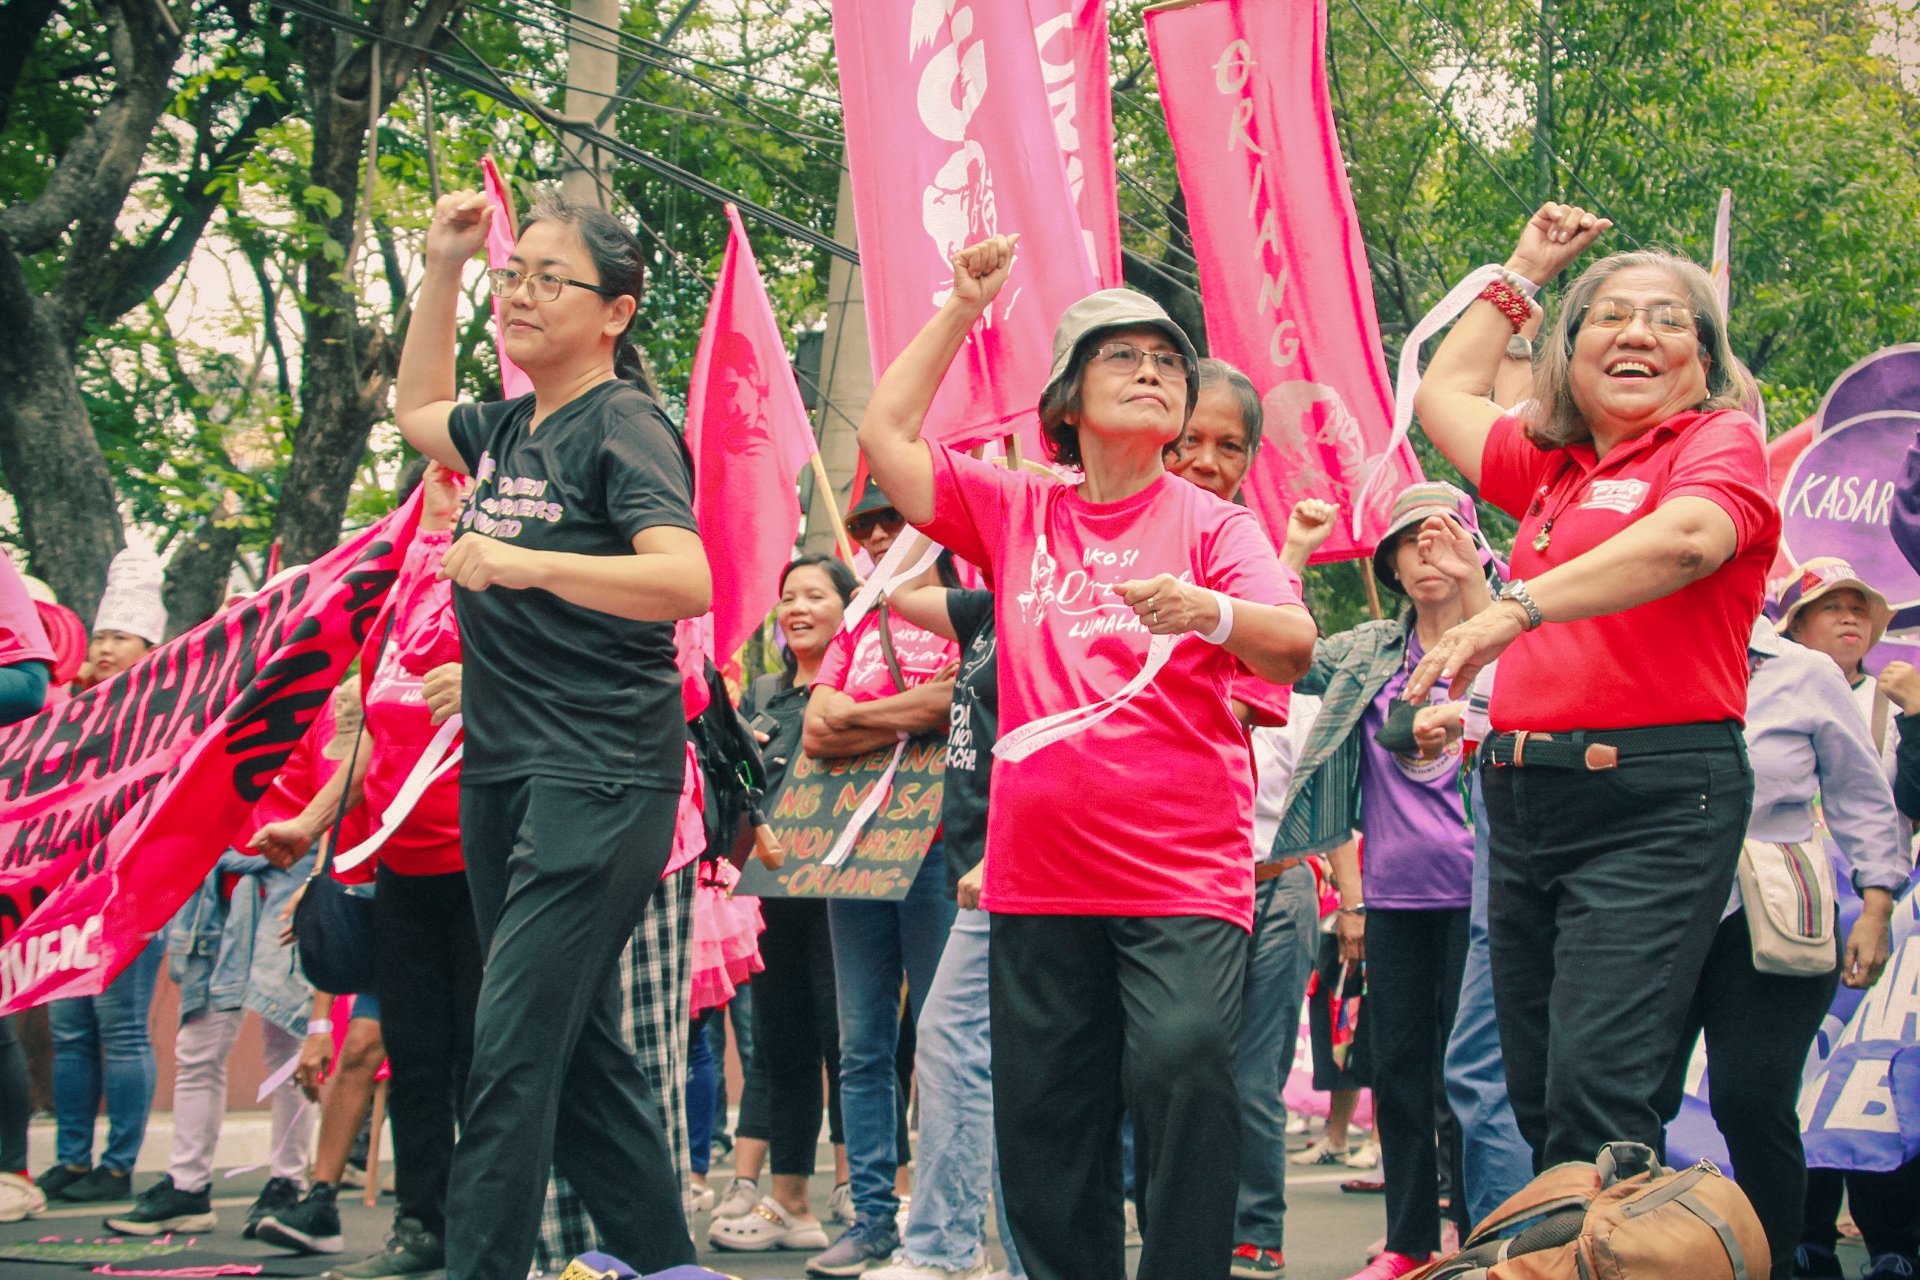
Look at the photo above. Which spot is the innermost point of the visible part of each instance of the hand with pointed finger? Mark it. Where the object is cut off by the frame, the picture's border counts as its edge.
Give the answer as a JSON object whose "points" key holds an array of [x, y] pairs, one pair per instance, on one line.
{"points": [[459, 228], [980, 269], [1459, 655], [1554, 236], [1168, 606], [477, 562]]}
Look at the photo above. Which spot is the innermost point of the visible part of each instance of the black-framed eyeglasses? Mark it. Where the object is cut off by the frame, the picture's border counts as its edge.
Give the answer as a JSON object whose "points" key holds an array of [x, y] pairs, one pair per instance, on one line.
{"points": [[867, 521], [504, 282], [1617, 313], [1125, 358]]}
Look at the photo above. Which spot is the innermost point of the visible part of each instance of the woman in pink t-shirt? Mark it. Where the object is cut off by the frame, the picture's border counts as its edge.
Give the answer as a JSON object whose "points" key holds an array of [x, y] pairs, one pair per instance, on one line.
{"points": [[1117, 836]]}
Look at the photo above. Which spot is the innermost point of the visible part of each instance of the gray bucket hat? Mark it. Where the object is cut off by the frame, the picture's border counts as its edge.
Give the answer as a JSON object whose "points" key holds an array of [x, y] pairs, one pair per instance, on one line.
{"points": [[1117, 309]]}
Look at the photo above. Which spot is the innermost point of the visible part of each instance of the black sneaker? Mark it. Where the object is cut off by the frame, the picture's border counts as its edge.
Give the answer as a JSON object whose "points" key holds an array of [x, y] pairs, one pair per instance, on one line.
{"points": [[277, 1196], [59, 1178], [101, 1186], [411, 1250], [164, 1207], [311, 1226]]}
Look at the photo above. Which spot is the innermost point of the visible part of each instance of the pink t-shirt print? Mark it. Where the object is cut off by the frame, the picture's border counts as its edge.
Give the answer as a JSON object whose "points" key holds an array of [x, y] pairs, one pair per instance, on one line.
{"points": [[856, 664], [1149, 811]]}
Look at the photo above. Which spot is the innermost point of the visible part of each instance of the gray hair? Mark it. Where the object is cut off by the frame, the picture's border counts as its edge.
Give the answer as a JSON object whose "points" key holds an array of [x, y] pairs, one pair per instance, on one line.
{"points": [[1218, 373], [1555, 421]]}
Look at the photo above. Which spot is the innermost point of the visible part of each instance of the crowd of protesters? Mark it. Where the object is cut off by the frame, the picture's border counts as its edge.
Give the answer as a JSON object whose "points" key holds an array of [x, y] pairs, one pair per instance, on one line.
{"points": [[1506, 844]]}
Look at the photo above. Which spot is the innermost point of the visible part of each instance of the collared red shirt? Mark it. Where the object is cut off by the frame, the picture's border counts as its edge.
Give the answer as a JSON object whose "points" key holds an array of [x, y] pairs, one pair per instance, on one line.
{"points": [[1675, 660]]}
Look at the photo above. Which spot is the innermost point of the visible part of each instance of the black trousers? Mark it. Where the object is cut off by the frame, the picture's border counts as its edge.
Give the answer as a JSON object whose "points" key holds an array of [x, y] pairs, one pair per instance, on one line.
{"points": [[1414, 963], [16, 1100], [560, 873], [796, 1029], [1093, 1015], [1759, 1027], [1604, 891], [1885, 1206], [427, 974]]}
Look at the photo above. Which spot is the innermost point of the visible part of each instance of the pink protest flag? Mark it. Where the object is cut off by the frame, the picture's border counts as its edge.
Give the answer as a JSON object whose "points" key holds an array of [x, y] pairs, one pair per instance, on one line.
{"points": [[500, 237], [748, 432], [115, 804], [1283, 272], [951, 140], [1722, 268], [1071, 36]]}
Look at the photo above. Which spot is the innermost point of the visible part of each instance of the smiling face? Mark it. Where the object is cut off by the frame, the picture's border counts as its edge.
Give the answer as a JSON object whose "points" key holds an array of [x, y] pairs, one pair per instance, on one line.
{"points": [[809, 611], [1839, 625], [1630, 379], [550, 336], [1212, 452], [1144, 403]]}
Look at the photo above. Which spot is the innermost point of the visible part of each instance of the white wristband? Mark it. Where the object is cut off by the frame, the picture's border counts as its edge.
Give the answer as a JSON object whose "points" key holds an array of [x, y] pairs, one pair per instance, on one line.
{"points": [[319, 1026], [1220, 633]]}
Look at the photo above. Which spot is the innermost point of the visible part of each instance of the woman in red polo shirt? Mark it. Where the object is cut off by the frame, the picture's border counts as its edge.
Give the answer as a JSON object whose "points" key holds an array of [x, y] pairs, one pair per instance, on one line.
{"points": [[1617, 783]]}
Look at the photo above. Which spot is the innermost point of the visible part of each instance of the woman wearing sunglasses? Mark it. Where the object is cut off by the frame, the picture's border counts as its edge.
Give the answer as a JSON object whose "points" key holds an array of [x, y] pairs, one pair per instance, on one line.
{"points": [[1117, 870], [574, 555], [1616, 780]]}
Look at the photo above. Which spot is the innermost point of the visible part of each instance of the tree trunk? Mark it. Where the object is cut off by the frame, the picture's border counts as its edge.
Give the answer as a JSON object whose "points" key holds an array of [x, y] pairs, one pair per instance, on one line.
{"points": [[198, 572]]}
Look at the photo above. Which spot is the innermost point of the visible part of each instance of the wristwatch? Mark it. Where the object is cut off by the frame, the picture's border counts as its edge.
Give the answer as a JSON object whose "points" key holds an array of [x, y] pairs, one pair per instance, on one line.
{"points": [[1357, 909], [1519, 347], [1517, 592]]}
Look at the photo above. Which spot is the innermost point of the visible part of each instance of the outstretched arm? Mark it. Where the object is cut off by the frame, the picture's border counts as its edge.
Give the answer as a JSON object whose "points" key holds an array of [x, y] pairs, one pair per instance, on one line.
{"points": [[890, 428]]}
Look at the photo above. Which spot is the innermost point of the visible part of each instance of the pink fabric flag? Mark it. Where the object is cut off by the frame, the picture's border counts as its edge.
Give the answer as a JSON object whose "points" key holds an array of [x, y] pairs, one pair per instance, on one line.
{"points": [[500, 237], [115, 804], [1072, 38], [748, 431], [951, 139], [1283, 272]]}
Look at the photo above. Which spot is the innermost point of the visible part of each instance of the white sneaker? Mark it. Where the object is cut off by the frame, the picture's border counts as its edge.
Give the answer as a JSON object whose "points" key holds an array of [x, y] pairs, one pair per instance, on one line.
{"points": [[767, 1226], [902, 1216], [902, 1269], [740, 1197], [1322, 1152], [1364, 1156], [19, 1198], [1133, 1240], [1296, 1124], [840, 1203]]}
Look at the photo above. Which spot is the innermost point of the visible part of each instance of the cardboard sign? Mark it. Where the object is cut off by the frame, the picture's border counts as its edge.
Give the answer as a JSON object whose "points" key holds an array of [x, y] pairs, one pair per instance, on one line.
{"points": [[818, 800]]}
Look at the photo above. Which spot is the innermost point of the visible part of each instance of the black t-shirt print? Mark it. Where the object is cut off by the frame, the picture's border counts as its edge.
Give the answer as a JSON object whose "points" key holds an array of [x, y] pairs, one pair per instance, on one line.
{"points": [[973, 724], [551, 688]]}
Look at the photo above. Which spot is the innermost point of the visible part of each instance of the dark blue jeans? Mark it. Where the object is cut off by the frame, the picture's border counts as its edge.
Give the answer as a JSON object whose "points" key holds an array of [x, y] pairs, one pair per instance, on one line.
{"points": [[101, 1045], [874, 943]]}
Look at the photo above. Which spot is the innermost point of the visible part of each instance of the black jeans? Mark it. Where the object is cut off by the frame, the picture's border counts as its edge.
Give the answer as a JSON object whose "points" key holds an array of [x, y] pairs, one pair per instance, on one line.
{"points": [[16, 1100], [1885, 1206], [1759, 1027], [1414, 963], [1093, 1015], [427, 974], [796, 1029], [1604, 892], [560, 873]]}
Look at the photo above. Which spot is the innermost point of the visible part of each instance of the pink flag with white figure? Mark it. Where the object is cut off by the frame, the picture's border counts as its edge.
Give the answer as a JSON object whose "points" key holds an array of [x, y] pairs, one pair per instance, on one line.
{"points": [[1283, 272], [952, 138], [1071, 36], [748, 432], [500, 238]]}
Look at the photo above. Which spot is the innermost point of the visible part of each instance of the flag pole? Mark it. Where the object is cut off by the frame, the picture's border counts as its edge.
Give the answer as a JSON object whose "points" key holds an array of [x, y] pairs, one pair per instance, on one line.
{"points": [[823, 487]]}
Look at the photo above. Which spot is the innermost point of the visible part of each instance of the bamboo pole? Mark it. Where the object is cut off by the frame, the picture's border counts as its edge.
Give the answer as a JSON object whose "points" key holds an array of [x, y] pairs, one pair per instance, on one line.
{"points": [[1012, 443], [1373, 588], [823, 488]]}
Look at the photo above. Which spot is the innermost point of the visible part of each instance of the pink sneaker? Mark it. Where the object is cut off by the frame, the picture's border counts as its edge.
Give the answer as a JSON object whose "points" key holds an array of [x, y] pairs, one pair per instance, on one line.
{"points": [[1388, 1266]]}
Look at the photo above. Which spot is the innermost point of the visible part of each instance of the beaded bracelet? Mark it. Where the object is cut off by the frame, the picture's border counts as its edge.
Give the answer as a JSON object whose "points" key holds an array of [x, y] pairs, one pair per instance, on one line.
{"points": [[1513, 304]]}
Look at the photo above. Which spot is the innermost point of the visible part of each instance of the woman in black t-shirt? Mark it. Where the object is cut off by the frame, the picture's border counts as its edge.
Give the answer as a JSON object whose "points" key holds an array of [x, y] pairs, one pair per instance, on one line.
{"points": [[575, 554]]}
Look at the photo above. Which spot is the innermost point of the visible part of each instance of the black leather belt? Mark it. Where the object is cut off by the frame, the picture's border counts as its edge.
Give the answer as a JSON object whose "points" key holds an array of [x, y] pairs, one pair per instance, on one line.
{"points": [[1598, 749]]}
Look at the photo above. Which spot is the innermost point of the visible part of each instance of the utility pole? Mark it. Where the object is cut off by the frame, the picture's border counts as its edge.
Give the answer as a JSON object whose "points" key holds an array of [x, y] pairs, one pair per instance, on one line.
{"points": [[846, 376], [1543, 185], [593, 68]]}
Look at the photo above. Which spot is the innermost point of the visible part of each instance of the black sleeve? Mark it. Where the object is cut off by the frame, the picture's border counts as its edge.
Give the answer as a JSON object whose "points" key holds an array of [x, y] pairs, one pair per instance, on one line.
{"points": [[466, 429], [645, 474], [1906, 767], [968, 611]]}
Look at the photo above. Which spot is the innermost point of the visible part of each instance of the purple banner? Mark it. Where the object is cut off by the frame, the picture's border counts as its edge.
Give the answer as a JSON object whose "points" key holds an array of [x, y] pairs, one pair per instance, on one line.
{"points": [[1838, 499]]}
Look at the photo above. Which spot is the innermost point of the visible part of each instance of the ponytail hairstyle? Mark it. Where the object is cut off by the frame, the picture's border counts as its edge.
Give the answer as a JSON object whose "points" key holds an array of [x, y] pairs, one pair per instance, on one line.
{"points": [[620, 262]]}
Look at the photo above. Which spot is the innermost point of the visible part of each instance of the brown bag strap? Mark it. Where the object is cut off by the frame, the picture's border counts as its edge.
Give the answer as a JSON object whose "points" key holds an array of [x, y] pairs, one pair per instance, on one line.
{"points": [[886, 649]]}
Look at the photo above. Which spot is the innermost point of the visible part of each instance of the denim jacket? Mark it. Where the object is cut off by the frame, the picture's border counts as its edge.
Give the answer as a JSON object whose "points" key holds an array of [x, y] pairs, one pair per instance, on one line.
{"points": [[1323, 800], [227, 955]]}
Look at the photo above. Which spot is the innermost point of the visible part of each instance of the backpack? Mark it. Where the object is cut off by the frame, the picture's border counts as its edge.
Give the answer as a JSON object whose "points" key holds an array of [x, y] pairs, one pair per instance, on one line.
{"points": [[731, 770], [1623, 1217]]}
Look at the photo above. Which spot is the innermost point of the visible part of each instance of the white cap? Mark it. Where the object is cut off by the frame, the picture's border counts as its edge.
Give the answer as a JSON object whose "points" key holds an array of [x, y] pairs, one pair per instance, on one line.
{"points": [[131, 602]]}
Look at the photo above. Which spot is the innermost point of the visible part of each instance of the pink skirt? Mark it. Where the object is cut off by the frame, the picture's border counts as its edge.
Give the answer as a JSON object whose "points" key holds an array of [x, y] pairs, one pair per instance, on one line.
{"points": [[726, 937]]}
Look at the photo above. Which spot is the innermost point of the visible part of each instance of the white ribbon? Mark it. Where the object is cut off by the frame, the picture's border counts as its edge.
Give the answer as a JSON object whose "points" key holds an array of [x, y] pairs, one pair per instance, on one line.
{"points": [[278, 1078], [439, 757], [889, 574], [1035, 734], [1444, 312], [876, 796]]}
